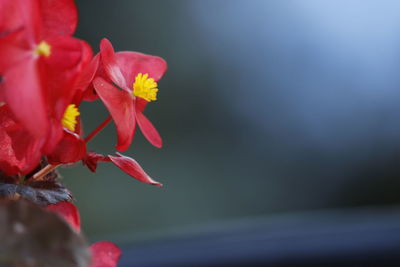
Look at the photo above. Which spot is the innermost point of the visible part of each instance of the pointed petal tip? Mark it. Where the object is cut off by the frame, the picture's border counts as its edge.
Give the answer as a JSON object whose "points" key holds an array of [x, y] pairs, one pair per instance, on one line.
{"points": [[122, 147], [158, 184], [132, 168]]}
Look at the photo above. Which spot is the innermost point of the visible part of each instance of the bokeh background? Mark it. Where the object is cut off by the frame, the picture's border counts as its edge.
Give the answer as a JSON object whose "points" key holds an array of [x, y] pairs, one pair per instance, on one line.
{"points": [[268, 108]]}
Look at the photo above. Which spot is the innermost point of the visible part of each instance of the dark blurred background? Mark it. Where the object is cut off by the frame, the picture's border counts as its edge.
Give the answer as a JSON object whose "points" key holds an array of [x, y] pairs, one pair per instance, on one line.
{"points": [[268, 108]]}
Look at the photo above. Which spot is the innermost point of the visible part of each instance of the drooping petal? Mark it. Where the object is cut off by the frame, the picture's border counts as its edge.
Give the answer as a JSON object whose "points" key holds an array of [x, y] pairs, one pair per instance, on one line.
{"points": [[120, 105], [59, 17], [148, 130], [70, 149], [132, 168], [105, 254], [133, 63], [69, 212], [110, 64]]}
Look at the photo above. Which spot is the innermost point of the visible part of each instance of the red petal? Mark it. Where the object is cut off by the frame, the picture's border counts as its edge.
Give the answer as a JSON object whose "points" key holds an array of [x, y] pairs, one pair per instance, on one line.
{"points": [[84, 89], [69, 212], [59, 17], [19, 151], [70, 149], [29, 11], [23, 94], [92, 158], [132, 63], [62, 70], [120, 105], [148, 130], [110, 63], [105, 254], [13, 50], [9, 19], [132, 168]]}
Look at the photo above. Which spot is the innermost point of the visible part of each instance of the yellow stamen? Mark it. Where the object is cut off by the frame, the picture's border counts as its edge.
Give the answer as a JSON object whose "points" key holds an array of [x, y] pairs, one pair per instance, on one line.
{"points": [[69, 119], [43, 49], [145, 87]]}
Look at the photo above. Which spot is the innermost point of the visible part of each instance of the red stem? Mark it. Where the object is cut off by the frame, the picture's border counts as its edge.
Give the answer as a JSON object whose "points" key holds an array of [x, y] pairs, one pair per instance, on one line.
{"points": [[98, 129]]}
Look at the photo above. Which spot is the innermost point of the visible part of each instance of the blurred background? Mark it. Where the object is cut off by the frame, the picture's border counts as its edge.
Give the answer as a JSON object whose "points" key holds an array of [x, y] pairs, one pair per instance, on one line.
{"points": [[268, 109]]}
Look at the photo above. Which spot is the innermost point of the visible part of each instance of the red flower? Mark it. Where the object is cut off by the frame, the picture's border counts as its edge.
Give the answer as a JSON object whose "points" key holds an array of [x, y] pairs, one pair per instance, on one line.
{"points": [[126, 84], [40, 63], [104, 254]]}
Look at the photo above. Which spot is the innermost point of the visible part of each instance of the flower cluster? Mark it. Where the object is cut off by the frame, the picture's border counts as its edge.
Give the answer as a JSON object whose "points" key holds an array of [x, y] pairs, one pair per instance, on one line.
{"points": [[45, 74]]}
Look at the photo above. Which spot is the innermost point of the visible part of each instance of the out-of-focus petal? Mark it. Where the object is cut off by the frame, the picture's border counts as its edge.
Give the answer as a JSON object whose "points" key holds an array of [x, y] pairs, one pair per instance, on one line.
{"points": [[121, 107], [110, 64], [105, 254], [132, 168], [13, 50], [133, 63], [69, 212], [148, 130], [60, 17], [60, 74], [71, 148], [62, 70], [24, 95], [29, 11], [9, 19], [19, 151], [83, 84]]}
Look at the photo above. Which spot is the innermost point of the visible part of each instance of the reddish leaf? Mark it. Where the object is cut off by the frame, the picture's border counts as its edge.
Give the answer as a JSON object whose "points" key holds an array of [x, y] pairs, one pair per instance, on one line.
{"points": [[132, 168], [105, 254]]}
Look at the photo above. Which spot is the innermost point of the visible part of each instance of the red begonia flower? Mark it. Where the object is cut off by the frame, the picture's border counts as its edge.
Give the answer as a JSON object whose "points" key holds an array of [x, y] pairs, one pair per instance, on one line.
{"points": [[42, 52], [126, 164], [104, 254], [125, 102]]}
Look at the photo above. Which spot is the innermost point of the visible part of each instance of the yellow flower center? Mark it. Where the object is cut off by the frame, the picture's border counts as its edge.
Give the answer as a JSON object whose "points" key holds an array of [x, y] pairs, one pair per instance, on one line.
{"points": [[43, 49], [145, 87], [69, 119]]}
